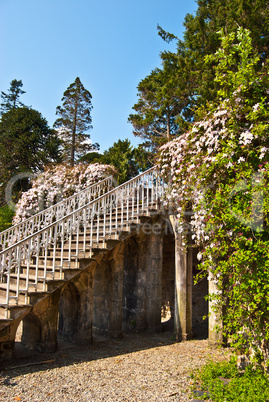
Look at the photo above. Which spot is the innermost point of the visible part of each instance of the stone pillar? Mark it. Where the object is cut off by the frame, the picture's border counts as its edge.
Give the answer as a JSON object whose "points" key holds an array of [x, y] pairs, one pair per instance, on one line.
{"points": [[108, 293], [141, 284], [149, 276], [214, 337], [84, 285], [47, 314], [130, 288], [117, 267], [154, 261], [183, 287], [102, 297]]}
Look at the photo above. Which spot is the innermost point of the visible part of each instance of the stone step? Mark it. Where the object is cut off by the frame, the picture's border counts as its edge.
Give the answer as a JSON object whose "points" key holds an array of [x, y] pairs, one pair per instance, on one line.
{"points": [[39, 288], [127, 227], [12, 313], [58, 275], [108, 245], [40, 271], [59, 263], [98, 251], [115, 218], [32, 284], [42, 282], [22, 297], [72, 262], [3, 319]]}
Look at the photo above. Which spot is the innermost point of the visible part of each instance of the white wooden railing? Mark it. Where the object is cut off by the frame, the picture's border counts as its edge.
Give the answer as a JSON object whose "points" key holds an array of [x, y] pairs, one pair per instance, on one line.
{"points": [[50, 250], [52, 214]]}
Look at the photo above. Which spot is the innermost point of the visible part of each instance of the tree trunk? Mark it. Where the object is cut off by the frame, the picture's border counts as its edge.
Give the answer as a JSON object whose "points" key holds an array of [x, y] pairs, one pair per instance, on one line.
{"points": [[168, 124], [73, 145]]}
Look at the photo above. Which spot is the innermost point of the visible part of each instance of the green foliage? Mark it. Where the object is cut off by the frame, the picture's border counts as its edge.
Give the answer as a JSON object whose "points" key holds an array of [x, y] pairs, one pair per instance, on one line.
{"points": [[122, 156], [221, 166], [26, 143], [238, 206], [166, 36], [201, 38], [224, 382], [127, 160], [75, 122], [11, 99], [91, 157], [170, 97], [158, 109], [6, 216], [143, 158]]}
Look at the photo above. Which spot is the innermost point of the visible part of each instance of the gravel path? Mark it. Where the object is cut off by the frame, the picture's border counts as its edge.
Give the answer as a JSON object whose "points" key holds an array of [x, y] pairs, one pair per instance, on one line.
{"points": [[136, 368]]}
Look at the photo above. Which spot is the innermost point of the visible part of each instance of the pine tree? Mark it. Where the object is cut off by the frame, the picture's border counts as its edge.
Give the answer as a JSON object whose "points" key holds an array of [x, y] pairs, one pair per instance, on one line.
{"points": [[159, 106], [75, 122], [10, 100], [170, 97]]}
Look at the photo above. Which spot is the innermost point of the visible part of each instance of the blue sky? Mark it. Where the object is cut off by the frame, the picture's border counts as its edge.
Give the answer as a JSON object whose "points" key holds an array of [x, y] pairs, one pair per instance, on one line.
{"points": [[109, 45]]}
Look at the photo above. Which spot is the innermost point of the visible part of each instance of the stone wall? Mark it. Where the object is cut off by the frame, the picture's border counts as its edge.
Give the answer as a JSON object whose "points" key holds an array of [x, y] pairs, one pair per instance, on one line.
{"points": [[129, 288]]}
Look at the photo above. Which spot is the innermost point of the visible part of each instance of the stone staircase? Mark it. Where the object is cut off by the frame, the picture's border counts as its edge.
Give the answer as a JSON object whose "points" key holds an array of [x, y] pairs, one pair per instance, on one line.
{"points": [[43, 262], [45, 217]]}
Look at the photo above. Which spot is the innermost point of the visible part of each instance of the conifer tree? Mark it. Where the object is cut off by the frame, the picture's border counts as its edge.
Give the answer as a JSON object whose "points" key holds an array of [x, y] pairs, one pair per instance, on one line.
{"points": [[185, 82], [27, 144], [10, 100], [75, 122], [158, 107]]}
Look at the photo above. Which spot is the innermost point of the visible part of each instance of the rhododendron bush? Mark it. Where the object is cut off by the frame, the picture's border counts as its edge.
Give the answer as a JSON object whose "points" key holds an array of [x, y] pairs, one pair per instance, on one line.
{"points": [[56, 183], [220, 168]]}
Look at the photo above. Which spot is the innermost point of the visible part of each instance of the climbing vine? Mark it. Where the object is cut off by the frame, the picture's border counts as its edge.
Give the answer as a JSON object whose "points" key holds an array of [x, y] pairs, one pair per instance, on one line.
{"points": [[56, 183], [221, 168]]}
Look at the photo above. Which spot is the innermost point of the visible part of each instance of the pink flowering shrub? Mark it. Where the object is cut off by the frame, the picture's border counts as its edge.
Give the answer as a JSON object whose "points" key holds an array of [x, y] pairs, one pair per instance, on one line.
{"points": [[221, 168], [56, 183]]}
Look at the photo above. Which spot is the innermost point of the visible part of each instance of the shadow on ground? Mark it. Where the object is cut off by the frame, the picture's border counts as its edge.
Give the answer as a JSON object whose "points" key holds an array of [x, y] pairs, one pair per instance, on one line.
{"points": [[69, 354]]}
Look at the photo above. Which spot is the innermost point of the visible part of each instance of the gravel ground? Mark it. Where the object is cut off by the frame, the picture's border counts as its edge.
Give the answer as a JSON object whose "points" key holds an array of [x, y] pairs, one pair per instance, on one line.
{"points": [[140, 367]]}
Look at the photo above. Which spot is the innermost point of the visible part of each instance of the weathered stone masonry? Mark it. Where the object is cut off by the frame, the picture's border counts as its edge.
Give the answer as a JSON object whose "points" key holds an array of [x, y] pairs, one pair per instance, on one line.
{"points": [[124, 289]]}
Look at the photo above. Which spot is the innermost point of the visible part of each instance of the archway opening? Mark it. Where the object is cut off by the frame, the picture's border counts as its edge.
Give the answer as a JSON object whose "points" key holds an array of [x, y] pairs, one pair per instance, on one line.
{"points": [[28, 336]]}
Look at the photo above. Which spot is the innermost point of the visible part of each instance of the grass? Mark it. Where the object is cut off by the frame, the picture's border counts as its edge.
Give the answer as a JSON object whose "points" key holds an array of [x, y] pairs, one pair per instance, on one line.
{"points": [[224, 382]]}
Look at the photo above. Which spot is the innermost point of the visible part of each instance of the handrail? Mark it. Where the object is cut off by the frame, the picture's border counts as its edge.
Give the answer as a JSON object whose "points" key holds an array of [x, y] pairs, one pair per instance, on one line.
{"points": [[43, 218], [48, 251]]}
